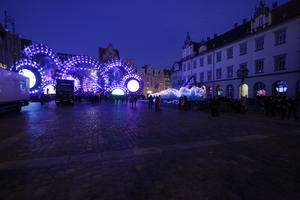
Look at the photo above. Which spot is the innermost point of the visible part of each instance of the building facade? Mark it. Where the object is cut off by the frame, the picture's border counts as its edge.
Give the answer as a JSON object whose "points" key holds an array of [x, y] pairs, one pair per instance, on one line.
{"points": [[11, 45], [260, 57], [155, 80]]}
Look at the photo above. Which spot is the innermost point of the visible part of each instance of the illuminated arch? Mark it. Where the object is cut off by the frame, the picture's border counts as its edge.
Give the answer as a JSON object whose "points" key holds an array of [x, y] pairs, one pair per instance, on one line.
{"points": [[119, 72], [116, 63], [133, 78], [34, 68], [75, 62], [83, 68], [41, 49]]}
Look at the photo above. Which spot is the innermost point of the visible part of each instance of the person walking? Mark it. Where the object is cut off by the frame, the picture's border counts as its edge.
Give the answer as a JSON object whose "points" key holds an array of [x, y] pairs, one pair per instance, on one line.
{"points": [[150, 103], [135, 98], [131, 100], [292, 108], [283, 108], [214, 107], [158, 103]]}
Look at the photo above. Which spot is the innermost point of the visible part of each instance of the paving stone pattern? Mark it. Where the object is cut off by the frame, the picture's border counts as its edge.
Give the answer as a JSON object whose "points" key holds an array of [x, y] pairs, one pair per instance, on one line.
{"points": [[112, 151]]}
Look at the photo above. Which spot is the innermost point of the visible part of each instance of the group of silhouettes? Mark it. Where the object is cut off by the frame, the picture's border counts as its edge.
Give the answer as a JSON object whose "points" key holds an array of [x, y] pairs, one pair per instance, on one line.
{"points": [[157, 101]]}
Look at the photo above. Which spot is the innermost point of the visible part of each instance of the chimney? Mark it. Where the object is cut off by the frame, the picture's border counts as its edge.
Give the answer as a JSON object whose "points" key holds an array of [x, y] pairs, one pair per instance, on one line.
{"points": [[244, 21], [235, 25], [274, 5], [215, 35]]}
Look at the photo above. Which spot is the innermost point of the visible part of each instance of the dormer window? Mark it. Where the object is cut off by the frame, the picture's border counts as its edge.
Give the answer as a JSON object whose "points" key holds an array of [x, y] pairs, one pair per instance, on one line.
{"points": [[262, 17]]}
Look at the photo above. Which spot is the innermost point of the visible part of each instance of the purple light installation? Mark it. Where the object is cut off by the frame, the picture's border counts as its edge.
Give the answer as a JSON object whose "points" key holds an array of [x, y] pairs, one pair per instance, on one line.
{"points": [[89, 74], [34, 68], [35, 49], [133, 83], [85, 68]]}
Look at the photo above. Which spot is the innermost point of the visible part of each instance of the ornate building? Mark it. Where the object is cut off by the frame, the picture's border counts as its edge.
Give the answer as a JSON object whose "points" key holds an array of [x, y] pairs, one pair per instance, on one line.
{"points": [[259, 57], [155, 80], [107, 54]]}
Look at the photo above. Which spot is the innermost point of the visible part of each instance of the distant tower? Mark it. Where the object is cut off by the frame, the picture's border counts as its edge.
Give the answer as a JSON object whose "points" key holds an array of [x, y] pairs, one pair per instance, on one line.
{"points": [[10, 20], [109, 53]]}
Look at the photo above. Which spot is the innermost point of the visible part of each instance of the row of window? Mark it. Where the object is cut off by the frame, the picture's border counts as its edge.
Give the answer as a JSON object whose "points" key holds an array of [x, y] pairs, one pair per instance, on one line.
{"points": [[280, 38], [279, 64]]}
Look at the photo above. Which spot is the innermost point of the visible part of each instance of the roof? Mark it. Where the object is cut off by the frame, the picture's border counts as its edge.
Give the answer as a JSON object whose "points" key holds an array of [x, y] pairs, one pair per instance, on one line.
{"points": [[280, 14]]}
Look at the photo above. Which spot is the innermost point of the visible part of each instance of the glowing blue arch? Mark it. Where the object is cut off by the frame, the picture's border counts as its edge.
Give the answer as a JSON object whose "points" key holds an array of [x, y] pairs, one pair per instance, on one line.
{"points": [[133, 77], [127, 74], [35, 69], [41, 49], [116, 63], [83, 68]]}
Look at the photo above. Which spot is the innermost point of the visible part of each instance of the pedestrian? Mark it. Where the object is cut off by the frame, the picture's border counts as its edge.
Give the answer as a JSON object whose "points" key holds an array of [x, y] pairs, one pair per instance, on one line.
{"points": [[157, 103], [243, 104], [150, 103], [214, 107], [181, 103], [135, 98], [283, 108], [131, 100], [292, 108]]}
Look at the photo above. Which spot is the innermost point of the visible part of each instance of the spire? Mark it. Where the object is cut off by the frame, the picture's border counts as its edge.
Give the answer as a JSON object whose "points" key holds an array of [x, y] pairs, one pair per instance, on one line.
{"points": [[188, 38], [261, 9]]}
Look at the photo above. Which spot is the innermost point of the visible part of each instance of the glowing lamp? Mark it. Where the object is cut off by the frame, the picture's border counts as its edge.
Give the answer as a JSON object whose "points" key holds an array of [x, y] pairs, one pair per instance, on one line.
{"points": [[133, 85], [29, 74]]}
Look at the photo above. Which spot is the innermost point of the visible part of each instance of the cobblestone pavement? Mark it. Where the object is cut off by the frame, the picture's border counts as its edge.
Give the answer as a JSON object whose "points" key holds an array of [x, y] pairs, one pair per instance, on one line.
{"points": [[115, 152]]}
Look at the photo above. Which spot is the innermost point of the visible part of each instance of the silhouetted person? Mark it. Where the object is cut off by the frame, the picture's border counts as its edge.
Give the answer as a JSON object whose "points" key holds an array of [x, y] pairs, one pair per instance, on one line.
{"points": [[292, 108], [150, 103], [157, 103], [283, 108], [214, 107], [135, 98]]}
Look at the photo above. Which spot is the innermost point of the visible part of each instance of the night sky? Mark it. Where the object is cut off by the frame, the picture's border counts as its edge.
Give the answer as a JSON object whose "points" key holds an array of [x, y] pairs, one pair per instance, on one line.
{"points": [[149, 31]]}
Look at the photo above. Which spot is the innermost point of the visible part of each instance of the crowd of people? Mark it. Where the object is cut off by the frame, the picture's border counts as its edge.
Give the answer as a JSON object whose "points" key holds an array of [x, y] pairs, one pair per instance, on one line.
{"points": [[157, 101], [281, 106], [284, 107]]}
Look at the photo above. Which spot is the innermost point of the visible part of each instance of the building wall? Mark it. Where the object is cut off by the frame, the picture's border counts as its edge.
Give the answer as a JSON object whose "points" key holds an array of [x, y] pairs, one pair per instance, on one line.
{"points": [[154, 80], [10, 48], [290, 75]]}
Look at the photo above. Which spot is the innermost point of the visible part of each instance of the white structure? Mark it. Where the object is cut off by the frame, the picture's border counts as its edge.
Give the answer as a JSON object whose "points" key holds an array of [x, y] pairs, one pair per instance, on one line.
{"points": [[257, 58]]}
